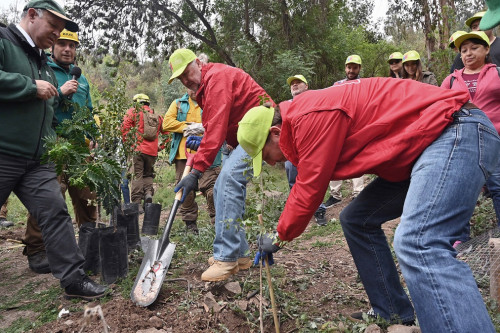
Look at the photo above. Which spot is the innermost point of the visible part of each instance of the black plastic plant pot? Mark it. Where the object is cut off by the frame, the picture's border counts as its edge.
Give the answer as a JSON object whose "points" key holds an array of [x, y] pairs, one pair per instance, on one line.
{"points": [[113, 253], [88, 241], [128, 218], [151, 219]]}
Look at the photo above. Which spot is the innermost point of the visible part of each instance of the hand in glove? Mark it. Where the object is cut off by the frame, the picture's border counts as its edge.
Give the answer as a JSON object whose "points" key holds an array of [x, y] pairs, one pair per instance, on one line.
{"points": [[267, 246], [193, 142], [261, 256], [193, 129], [188, 184]]}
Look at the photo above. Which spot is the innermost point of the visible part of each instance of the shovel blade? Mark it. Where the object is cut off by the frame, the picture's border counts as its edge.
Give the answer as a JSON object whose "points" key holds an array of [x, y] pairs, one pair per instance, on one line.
{"points": [[151, 274]]}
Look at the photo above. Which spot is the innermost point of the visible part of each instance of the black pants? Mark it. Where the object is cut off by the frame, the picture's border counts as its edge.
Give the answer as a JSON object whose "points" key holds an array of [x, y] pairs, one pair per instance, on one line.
{"points": [[36, 186]]}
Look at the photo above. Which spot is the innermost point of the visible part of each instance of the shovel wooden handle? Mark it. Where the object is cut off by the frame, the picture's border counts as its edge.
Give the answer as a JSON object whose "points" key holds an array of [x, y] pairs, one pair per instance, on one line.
{"points": [[187, 169], [178, 195]]}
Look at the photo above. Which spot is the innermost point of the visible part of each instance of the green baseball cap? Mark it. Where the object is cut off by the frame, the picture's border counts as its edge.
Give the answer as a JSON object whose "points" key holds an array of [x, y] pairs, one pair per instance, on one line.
{"points": [[54, 8], [473, 34], [474, 17], [492, 16], [296, 77], [178, 62], [353, 59], [253, 130]]}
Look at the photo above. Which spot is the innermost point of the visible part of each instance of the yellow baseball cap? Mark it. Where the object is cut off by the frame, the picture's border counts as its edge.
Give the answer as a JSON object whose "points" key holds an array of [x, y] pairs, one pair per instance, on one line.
{"points": [[253, 130], [69, 35], [454, 36], [476, 16], [353, 59], [473, 34], [395, 56], [411, 55], [178, 62], [296, 77]]}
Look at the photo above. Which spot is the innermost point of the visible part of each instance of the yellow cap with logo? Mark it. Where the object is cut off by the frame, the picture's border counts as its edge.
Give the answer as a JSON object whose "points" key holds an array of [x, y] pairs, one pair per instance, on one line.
{"points": [[454, 36], [353, 59], [395, 56], [411, 56], [68, 35]]}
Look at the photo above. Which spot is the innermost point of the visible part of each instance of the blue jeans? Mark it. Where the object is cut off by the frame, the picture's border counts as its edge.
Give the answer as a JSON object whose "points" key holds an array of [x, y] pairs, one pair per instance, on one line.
{"points": [[493, 186], [291, 175], [124, 187], [440, 199], [230, 241]]}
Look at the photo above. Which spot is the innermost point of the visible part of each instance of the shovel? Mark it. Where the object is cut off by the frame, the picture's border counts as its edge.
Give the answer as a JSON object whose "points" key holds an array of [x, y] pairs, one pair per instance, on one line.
{"points": [[157, 258]]}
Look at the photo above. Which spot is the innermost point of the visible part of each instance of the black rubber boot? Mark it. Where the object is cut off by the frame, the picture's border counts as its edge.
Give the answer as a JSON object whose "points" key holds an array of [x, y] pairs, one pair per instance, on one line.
{"points": [[151, 219], [129, 218], [113, 253]]}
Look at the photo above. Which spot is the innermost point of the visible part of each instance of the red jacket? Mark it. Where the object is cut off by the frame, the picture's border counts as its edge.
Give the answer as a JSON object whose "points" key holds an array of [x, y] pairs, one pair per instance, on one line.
{"points": [[367, 126], [130, 120], [225, 95], [487, 96]]}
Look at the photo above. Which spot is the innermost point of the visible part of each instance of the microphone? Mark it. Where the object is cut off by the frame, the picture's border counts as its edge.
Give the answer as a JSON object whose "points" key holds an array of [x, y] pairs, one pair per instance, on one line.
{"points": [[76, 72]]}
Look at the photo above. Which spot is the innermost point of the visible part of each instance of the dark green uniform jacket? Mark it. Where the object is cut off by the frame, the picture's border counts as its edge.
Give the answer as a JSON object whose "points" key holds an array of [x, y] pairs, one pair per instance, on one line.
{"points": [[24, 119]]}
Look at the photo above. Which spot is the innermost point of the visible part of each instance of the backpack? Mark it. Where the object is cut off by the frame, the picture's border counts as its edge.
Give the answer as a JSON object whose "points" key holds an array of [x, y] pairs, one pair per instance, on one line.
{"points": [[453, 78], [151, 123]]}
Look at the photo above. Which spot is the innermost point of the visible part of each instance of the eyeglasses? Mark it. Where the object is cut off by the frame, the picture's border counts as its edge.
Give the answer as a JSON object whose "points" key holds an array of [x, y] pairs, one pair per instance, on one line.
{"points": [[396, 61]]}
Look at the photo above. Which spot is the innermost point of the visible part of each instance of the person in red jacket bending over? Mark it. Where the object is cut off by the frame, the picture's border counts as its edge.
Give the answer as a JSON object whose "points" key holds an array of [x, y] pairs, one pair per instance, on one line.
{"points": [[431, 156], [225, 94]]}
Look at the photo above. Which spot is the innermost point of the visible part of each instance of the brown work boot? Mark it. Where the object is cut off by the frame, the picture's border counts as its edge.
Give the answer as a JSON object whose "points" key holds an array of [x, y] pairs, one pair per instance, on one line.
{"points": [[191, 227], [243, 263], [220, 270]]}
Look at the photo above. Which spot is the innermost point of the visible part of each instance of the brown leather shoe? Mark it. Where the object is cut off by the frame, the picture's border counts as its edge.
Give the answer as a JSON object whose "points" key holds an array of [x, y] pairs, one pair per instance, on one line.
{"points": [[220, 270]]}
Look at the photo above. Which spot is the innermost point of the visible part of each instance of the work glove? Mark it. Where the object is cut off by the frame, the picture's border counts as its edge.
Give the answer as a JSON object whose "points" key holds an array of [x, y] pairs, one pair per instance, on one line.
{"points": [[193, 142], [193, 129], [188, 183], [267, 246], [261, 256]]}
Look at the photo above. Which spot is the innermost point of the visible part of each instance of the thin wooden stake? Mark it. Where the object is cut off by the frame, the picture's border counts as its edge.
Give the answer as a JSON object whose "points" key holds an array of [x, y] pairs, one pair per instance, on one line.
{"points": [[271, 290]]}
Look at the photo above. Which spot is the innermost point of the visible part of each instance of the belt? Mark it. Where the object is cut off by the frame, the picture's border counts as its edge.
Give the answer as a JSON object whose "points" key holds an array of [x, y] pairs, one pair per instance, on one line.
{"points": [[469, 106], [465, 110]]}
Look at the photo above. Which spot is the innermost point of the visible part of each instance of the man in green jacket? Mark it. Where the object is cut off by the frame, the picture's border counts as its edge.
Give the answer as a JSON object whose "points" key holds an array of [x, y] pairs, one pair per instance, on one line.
{"points": [[27, 93], [72, 92]]}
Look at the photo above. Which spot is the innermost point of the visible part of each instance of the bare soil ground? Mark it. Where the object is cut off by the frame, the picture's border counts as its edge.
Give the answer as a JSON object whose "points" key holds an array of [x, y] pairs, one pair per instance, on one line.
{"points": [[318, 273]]}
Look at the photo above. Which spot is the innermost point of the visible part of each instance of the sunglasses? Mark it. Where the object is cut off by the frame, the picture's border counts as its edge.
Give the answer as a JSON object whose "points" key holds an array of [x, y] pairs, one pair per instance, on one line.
{"points": [[392, 62]]}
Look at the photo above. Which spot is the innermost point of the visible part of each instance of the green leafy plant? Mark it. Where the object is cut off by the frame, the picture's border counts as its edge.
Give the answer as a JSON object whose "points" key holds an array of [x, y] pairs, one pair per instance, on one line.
{"points": [[98, 168]]}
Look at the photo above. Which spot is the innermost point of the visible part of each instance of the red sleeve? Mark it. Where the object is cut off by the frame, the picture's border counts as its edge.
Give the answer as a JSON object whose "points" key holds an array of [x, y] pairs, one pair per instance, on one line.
{"points": [[318, 138], [128, 123], [446, 82], [218, 99]]}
